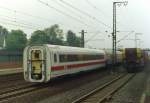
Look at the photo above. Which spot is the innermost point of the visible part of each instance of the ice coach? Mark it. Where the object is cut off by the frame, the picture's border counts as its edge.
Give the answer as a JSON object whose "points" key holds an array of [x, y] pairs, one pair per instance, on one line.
{"points": [[43, 62]]}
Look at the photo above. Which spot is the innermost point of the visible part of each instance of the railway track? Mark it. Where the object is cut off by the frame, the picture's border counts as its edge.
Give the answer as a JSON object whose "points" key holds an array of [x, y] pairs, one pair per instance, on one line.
{"points": [[10, 81], [11, 77], [105, 92], [12, 92], [16, 92]]}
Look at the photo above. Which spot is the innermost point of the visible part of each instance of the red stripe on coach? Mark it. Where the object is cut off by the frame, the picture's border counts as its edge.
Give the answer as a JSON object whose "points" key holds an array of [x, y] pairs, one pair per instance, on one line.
{"points": [[75, 65], [57, 68]]}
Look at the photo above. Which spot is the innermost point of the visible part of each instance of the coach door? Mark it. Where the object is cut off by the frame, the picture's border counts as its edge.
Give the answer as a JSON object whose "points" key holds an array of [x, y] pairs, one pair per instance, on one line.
{"points": [[37, 65]]}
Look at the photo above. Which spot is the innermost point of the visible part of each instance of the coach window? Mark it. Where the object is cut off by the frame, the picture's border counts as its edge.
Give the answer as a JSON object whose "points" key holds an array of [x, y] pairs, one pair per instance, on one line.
{"points": [[72, 57], [62, 58], [55, 58], [101, 56]]}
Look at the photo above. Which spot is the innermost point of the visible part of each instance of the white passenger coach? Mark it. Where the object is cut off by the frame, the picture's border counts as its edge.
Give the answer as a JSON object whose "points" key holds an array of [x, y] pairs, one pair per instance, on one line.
{"points": [[43, 62]]}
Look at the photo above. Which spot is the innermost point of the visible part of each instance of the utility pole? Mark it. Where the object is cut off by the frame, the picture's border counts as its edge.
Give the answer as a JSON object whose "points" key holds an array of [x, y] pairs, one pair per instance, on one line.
{"points": [[114, 43], [114, 34], [82, 38]]}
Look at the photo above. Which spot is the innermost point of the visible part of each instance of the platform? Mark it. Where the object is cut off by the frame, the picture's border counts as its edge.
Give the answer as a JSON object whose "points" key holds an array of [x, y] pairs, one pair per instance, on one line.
{"points": [[10, 71], [146, 94]]}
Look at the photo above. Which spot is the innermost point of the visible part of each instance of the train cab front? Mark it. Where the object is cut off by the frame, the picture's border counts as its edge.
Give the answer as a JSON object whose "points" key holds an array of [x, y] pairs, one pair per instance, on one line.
{"points": [[36, 65]]}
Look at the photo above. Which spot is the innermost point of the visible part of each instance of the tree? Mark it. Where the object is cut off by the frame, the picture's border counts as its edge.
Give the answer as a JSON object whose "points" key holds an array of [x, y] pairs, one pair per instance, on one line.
{"points": [[39, 37], [3, 34], [73, 40], [16, 40], [55, 34], [78, 41]]}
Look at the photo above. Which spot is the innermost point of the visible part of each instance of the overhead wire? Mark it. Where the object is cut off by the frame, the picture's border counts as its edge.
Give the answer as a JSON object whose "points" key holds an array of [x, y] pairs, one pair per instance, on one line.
{"points": [[65, 6], [21, 21], [100, 11], [60, 4], [29, 15], [62, 12], [41, 18], [16, 22], [97, 40], [79, 15], [85, 13], [124, 37], [18, 25], [94, 35], [26, 14], [93, 6]]}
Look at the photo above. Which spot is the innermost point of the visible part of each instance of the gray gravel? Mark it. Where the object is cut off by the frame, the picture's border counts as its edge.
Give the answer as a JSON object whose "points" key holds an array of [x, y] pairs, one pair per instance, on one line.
{"points": [[132, 92], [69, 96], [66, 91]]}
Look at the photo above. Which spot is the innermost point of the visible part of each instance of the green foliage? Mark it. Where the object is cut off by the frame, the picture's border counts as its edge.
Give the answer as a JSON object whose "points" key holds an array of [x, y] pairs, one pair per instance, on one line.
{"points": [[55, 34], [3, 33], [39, 37], [51, 35], [16, 40], [73, 40], [78, 41]]}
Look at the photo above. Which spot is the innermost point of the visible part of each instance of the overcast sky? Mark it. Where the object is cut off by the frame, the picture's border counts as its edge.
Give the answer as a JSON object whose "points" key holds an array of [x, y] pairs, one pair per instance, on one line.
{"points": [[95, 17]]}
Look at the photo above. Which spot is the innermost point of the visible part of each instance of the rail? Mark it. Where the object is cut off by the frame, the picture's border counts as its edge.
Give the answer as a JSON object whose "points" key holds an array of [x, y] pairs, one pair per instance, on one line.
{"points": [[105, 92], [16, 92]]}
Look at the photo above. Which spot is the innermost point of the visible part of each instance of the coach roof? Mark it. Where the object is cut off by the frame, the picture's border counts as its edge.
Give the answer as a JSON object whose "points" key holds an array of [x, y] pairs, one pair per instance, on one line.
{"points": [[68, 49]]}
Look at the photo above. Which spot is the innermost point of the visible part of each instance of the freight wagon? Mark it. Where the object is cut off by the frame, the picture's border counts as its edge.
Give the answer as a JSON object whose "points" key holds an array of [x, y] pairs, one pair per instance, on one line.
{"points": [[133, 59]]}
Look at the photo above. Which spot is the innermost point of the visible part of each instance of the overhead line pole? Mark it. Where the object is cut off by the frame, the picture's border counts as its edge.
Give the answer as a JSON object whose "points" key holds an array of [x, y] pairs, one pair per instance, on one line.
{"points": [[114, 43], [114, 34], [82, 38]]}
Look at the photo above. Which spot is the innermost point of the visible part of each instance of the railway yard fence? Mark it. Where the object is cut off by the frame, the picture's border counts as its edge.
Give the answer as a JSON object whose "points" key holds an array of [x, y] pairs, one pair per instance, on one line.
{"points": [[10, 59]]}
